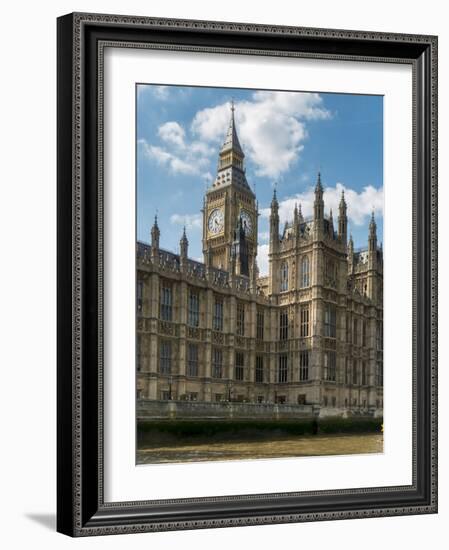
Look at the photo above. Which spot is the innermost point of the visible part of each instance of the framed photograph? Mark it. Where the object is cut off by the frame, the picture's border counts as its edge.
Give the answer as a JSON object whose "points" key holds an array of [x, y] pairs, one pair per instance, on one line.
{"points": [[247, 274]]}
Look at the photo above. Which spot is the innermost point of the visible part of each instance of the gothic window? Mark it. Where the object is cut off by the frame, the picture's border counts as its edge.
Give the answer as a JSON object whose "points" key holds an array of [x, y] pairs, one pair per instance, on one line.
{"points": [[283, 324], [330, 366], [139, 295], [165, 357], [349, 328], [379, 336], [284, 277], [304, 321], [218, 314], [355, 331], [283, 368], [330, 272], [330, 321], [192, 360], [354, 371], [260, 325], [303, 365], [259, 369], [166, 305], [194, 308], [347, 369], [240, 319], [217, 363], [305, 275], [139, 351], [364, 332], [364, 373], [380, 373], [239, 365]]}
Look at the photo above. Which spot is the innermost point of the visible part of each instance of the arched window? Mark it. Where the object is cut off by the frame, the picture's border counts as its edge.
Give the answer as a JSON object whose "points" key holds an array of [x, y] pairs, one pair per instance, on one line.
{"points": [[284, 277], [305, 272]]}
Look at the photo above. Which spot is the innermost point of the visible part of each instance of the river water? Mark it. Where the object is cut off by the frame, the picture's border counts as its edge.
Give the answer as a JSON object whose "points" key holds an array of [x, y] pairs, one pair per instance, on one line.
{"points": [[316, 445]]}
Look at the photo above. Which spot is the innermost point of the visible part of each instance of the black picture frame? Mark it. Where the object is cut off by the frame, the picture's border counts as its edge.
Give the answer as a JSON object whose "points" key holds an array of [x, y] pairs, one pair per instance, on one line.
{"points": [[81, 510]]}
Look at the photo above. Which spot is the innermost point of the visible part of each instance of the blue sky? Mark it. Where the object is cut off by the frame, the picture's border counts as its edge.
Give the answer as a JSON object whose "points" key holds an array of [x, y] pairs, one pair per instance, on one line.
{"points": [[286, 136]]}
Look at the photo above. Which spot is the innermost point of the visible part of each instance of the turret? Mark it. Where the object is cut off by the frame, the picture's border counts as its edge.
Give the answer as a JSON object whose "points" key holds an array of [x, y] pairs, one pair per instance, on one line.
{"points": [[296, 223], [331, 224], [372, 242], [351, 255], [300, 216], [274, 223], [372, 279], [342, 219], [372, 237], [318, 207], [184, 248], [155, 236]]}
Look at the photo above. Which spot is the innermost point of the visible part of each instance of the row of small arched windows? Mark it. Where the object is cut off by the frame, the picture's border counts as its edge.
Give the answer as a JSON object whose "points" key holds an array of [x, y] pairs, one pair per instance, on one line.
{"points": [[304, 274]]}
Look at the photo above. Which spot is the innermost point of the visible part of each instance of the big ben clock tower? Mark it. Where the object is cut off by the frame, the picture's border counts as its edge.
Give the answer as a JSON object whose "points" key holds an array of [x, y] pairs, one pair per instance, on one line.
{"points": [[230, 210]]}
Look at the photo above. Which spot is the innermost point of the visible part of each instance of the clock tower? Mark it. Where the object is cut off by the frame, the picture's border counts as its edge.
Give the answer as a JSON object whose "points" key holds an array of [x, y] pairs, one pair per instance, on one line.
{"points": [[229, 209]]}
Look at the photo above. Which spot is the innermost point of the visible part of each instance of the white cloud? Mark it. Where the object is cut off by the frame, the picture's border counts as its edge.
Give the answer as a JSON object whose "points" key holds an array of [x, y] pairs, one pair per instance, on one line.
{"points": [[178, 158], [161, 92], [262, 259], [190, 221], [359, 204], [172, 132], [272, 127]]}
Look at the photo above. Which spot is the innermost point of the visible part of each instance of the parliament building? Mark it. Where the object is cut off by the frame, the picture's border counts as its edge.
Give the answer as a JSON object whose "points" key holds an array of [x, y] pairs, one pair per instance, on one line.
{"points": [[309, 333]]}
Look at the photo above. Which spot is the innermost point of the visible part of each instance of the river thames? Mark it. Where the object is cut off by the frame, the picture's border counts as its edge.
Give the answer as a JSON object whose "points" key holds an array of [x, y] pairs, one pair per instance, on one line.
{"points": [[314, 445]]}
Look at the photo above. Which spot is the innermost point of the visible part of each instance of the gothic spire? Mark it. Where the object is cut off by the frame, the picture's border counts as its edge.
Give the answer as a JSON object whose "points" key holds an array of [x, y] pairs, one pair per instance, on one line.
{"points": [[184, 239], [342, 205], [231, 142], [155, 235], [184, 247], [274, 200], [318, 205], [342, 219], [372, 224], [319, 187]]}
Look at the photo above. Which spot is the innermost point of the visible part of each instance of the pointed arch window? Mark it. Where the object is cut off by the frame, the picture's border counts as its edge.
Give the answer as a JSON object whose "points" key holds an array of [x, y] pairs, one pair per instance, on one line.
{"points": [[284, 277], [305, 272]]}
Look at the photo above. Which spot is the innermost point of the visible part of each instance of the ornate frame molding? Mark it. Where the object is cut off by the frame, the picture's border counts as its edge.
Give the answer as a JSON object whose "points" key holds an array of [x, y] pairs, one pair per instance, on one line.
{"points": [[81, 41]]}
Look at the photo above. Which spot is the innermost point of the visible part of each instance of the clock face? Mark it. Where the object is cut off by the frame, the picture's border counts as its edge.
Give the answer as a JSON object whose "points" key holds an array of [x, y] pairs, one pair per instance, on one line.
{"points": [[215, 223], [247, 222]]}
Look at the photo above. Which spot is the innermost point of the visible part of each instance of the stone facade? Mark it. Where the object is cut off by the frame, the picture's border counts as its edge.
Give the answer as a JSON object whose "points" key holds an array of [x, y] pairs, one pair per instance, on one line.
{"points": [[308, 334]]}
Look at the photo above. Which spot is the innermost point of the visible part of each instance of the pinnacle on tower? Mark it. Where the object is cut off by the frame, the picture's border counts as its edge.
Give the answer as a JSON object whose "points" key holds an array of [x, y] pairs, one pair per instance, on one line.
{"points": [[155, 234], [318, 205], [372, 224], [231, 142], [318, 187], [274, 200], [184, 242]]}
